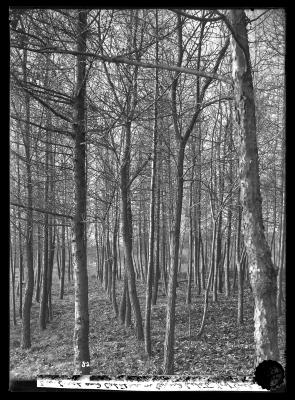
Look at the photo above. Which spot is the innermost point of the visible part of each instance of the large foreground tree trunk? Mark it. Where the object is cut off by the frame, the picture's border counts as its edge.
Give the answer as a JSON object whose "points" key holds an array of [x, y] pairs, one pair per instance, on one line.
{"points": [[81, 330], [261, 269]]}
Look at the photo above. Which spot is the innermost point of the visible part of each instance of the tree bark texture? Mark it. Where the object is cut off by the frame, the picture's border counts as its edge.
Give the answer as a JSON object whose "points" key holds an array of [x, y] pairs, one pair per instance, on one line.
{"points": [[81, 330], [262, 271]]}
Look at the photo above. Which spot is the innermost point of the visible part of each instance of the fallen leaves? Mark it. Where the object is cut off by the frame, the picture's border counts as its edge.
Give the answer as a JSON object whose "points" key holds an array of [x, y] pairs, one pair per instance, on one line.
{"points": [[225, 349]]}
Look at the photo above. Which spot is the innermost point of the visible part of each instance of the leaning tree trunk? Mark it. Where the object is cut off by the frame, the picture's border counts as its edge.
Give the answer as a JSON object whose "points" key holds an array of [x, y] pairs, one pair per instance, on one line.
{"points": [[262, 271], [81, 330]]}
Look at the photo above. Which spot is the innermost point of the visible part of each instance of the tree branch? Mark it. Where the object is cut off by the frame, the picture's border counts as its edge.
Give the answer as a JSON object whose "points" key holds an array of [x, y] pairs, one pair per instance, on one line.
{"points": [[41, 210], [125, 60], [194, 17]]}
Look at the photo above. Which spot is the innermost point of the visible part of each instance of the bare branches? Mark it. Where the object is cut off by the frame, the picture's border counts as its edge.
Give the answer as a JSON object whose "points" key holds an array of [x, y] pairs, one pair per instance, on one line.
{"points": [[194, 17], [41, 210], [125, 60], [42, 102]]}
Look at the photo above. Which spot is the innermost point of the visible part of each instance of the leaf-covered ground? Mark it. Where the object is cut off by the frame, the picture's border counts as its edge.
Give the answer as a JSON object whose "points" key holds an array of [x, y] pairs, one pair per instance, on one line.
{"points": [[225, 349]]}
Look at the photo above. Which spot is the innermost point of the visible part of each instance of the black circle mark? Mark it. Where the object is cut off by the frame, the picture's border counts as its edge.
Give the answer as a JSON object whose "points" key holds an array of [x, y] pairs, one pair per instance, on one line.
{"points": [[269, 374]]}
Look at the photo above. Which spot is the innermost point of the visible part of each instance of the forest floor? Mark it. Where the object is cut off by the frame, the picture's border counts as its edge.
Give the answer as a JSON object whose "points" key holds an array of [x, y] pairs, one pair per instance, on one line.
{"points": [[225, 349]]}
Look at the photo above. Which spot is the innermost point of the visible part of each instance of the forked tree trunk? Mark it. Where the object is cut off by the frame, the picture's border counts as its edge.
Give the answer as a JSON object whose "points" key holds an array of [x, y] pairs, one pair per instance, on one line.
{"points": [[127, 232], [262, 271], [182, 141]]}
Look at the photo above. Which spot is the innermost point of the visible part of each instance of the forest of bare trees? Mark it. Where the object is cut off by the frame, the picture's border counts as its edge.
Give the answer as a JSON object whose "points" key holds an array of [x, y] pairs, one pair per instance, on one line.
{"points": [[147, 187]]}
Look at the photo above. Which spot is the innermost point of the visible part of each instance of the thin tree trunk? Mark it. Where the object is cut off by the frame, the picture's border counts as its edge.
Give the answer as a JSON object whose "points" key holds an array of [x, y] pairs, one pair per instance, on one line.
{"points": [[97, 251], [110, 268], [44, 296], [58, 257], [63, 261], [52, 235], [115, 262], [217, 258], [203, 269], [282, 257], [122, 309], [12, 269], [239, 268], [128, 308], [26, 315], [69, 262], [197, 217], [191, 244], [20, 265], [171, 300], [229, 212], [157, 259], [43, 317], [39, 265], [119, 251], [282, 225], [150, 271], [201, 330], [164, 247]]}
